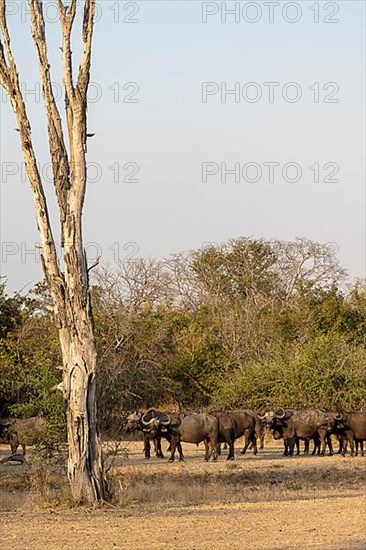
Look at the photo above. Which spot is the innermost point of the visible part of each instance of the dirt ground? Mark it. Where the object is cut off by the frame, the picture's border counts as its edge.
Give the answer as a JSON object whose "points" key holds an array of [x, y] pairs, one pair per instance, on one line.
{"points": [[268, 502]]}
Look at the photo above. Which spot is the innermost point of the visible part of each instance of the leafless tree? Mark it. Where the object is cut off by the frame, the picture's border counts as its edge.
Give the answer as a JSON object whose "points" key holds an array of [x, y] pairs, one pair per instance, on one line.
{"points": [[69, 286], [305, 263]]}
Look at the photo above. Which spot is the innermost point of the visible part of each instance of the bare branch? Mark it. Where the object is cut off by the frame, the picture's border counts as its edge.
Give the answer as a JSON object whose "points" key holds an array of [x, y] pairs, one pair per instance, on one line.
{"points": [[13, 90], [14, 458], [59, 156], [67, 16], [84, 68], [94, 264], [76, 99], [59, 387], [4, 71]]}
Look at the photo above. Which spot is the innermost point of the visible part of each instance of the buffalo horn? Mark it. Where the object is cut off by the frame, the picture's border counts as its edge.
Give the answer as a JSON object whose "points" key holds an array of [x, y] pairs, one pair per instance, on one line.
{"points": [[165, 422], [147, 423]]}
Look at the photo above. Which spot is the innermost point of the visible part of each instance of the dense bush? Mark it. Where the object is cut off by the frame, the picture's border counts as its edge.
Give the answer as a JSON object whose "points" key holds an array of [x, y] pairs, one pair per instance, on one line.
{"points": [[251, 323], [325, 373]]}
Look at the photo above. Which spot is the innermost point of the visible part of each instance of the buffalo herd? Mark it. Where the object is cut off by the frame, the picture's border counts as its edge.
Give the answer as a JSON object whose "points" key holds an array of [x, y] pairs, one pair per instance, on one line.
{"points": [[225, 427], [215, 428]]}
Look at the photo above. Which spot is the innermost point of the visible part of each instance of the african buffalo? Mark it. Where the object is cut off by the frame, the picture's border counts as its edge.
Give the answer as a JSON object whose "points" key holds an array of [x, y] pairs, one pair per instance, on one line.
{"points": [[304, 424], [195, 428], [29, 430], [260, 427], [150, 424], [278, 434], [244, 425], [8, 436], [350, 427], [226, 432], [344, 447]]}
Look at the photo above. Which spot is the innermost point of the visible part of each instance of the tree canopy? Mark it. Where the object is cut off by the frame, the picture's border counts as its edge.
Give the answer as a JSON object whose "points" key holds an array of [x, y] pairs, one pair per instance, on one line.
{"points": [[250, 323]]}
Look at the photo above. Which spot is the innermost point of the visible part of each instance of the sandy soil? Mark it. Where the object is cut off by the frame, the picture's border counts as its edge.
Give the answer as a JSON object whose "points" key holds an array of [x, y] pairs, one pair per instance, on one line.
{"points": [[326, 524], [330, 516]]}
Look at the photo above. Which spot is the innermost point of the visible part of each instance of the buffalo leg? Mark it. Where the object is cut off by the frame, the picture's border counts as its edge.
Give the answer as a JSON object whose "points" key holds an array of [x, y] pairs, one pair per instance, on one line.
{"points": [[147, 447], [306, 446], [323, 443], [349, 438], [159, 451], [210, 449], [297, 445], [359, 445], [213, 449], [230, 456], [254, 443], [329, 443], [14, 447], [316, 449], [289, 446], [207, 449], [344, 447], [351, 444], [246, 442], [361, 448], [180, 451], [174, 443], [157, 447]]}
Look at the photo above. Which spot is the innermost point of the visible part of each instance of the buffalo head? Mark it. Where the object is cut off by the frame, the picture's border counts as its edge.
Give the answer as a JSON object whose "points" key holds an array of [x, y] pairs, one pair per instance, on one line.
{"points": [[132, 421], [272, 416], [335, 421]]}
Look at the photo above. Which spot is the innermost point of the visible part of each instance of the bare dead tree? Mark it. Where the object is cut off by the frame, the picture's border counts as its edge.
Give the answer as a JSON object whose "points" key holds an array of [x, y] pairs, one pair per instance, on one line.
{"points": [[69, 287], [305, 262]]}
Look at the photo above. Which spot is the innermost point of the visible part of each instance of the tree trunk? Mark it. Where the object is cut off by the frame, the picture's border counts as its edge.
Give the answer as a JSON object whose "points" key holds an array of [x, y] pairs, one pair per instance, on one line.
{"points": [[85, 469], [76, 332], [69, 288]]}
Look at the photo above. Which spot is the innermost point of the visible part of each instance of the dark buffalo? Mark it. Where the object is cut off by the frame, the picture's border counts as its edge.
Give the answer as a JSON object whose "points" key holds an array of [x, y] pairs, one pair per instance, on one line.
{"points": [[29, 430], [195, 428], [358, 445], [260, 428], [349, 427], [150, 424], [315, 439], [8, 436], [244, 425], [278, 434], [317, 445], [226, 432], [304, 424]]}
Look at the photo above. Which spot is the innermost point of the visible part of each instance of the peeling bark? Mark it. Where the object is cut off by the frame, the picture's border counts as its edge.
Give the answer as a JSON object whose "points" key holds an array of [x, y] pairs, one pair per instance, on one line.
{"points": [[69, 288]]}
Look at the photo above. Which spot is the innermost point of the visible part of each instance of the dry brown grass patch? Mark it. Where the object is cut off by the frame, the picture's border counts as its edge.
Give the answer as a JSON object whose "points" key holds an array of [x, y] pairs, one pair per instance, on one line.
{"points": [[43, 484]]}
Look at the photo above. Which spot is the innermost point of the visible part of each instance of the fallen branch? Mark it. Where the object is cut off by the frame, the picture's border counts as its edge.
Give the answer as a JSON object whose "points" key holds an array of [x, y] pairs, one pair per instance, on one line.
{"points": [[14, 458]]}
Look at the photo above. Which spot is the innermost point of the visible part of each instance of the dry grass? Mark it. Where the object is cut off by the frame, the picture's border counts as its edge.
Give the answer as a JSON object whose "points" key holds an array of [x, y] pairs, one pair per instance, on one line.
{"points": [[267, 502], [42, 484], [235, 483], [38, 484]]}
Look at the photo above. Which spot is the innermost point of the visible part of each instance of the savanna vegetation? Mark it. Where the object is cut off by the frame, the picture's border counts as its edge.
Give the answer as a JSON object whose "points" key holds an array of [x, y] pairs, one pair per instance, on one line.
{"points": [[250, 323]]}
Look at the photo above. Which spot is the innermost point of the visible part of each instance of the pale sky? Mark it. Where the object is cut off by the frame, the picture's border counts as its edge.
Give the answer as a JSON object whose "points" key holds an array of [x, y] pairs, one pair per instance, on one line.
{"points": [[290, 136]]}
